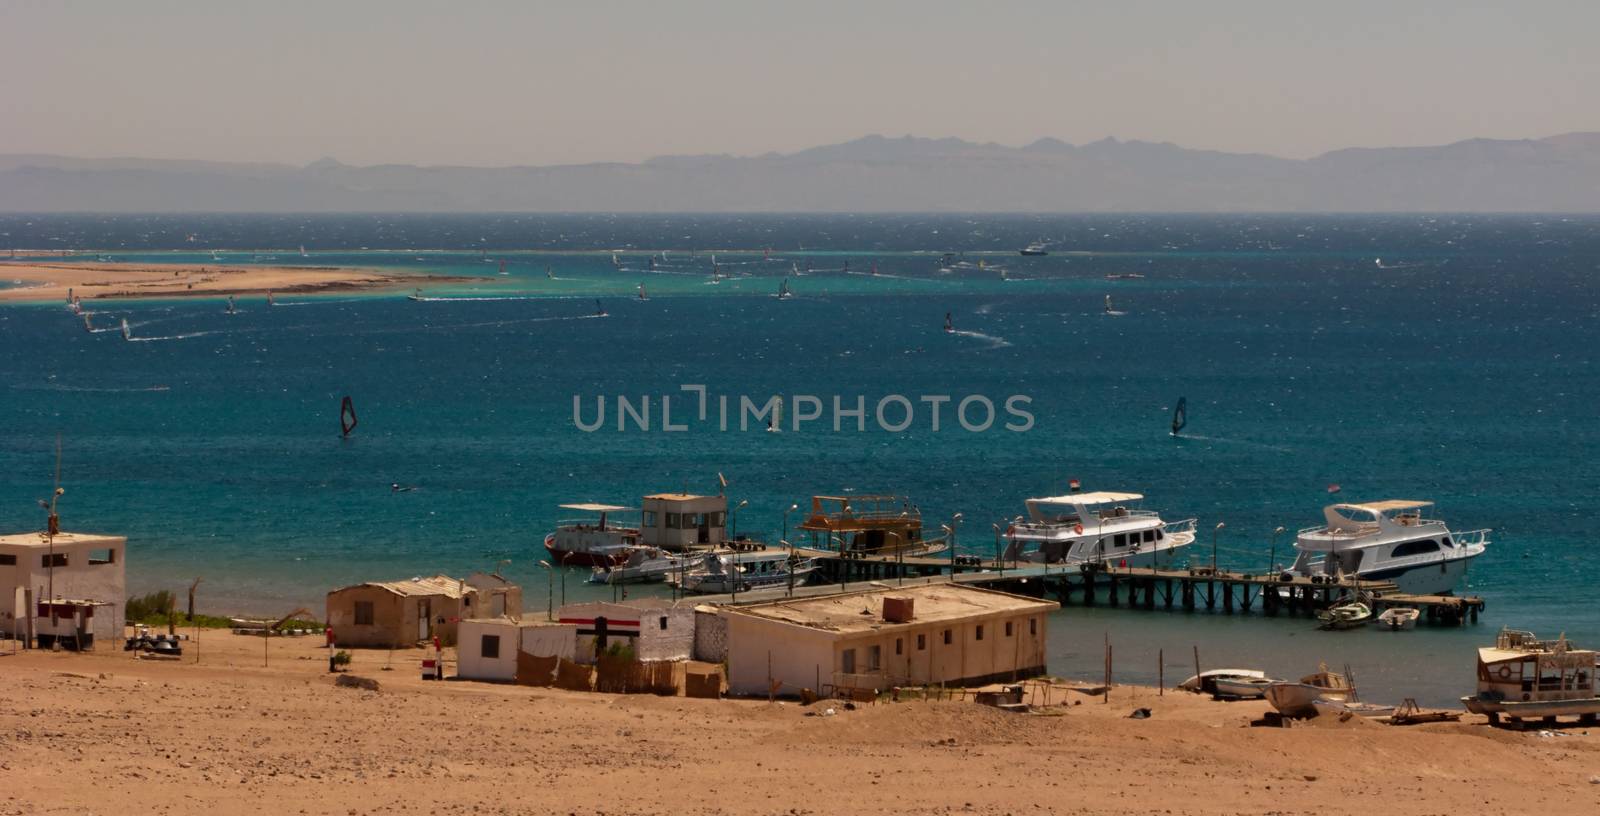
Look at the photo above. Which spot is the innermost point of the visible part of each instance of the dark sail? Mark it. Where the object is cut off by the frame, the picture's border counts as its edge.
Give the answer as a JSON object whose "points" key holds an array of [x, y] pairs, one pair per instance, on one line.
{"points": [[347, 416], [1180, 415]]}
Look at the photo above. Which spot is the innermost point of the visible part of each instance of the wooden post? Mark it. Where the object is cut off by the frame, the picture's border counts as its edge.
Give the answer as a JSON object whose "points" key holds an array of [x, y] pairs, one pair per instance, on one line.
{"points": [[1161, 673], [1105, 689], [1197, 660]]}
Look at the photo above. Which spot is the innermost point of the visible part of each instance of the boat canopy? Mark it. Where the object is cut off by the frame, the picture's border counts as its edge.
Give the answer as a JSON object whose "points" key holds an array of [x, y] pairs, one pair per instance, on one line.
{"points": [[1089, 499], [594, 508], [1388, 505]]}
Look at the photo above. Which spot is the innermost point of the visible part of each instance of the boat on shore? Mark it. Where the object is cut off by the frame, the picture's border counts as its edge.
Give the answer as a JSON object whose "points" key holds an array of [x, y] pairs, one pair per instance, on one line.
{"points": [[1387, 541], [1243, 688], [1299, 699], [1523, 678], [1206, 682], [1102, 527], [1359, 709], [591, 542]]}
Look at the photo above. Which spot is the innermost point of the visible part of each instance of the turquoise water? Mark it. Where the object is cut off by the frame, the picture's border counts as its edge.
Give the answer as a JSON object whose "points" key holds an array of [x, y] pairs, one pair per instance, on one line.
{"points": [[1459, 370]]}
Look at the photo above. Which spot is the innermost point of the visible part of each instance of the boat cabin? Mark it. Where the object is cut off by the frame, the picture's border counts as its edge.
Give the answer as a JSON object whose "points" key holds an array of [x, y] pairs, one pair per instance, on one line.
{"points": [[1538, 678], [1091, 527], [680, 521], [865, 525]]}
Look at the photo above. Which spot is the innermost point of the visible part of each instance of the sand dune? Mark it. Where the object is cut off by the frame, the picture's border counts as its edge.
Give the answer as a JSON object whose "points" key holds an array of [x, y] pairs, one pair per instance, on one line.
{"points": [[91, 733], [45, 282]]}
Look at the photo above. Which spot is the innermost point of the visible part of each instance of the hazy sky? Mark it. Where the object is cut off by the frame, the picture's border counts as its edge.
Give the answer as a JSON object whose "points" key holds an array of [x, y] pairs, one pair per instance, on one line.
{"points": [[490, 83]]}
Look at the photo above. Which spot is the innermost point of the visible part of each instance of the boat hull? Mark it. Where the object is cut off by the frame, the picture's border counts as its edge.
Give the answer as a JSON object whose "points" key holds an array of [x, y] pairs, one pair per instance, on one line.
{"points": [[579, 558], [1437, 578], [1244, 688], [1588, 707], [1299, 699]]}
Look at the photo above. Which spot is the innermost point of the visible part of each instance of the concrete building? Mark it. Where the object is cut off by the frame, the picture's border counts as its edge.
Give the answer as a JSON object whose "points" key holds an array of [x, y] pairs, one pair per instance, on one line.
{"points": [[654, 629], [389, 614], [82, 567], [931, 634], [680, 521], [488, 648]]}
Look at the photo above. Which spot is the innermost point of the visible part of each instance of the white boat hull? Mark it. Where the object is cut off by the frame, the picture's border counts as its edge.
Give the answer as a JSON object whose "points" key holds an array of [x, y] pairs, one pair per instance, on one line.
{"points": [[1244, 688], [1438, 578], [1299, 699]]}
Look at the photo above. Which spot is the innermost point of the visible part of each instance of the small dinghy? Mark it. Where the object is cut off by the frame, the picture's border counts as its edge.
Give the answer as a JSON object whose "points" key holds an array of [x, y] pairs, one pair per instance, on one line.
{"points": [[1336, 707], [1398, 618]]}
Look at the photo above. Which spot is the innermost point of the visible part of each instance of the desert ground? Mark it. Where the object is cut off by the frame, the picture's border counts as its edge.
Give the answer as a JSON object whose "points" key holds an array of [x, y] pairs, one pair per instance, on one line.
{"points": [[218, 732], [45, 282]]}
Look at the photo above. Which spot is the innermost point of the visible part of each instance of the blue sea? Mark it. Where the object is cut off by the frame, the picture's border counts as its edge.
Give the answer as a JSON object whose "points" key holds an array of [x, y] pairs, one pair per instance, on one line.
{"points": [[1447, 358]]}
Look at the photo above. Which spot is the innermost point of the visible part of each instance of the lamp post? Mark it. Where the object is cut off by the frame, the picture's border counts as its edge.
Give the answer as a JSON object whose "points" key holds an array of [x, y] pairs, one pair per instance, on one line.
{"points": [[734, 518], [950, 530], [792, 508], [998, 561], [549, 590], [1272, 558], [784, 542], [844, 566], [1214, 532], [564, 557]]}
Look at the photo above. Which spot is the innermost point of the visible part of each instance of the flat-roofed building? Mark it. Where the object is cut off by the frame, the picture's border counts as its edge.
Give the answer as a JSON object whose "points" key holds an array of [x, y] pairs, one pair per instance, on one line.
{"points": [[86, 568], [681, 521], [906, 636]]}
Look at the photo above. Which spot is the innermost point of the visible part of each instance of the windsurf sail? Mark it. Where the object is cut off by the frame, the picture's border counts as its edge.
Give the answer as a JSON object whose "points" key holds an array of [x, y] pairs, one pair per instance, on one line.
{"points": [[270, 301], [347, 416], [1180, 415], [949, 325], [127, 334], [599, 311]]}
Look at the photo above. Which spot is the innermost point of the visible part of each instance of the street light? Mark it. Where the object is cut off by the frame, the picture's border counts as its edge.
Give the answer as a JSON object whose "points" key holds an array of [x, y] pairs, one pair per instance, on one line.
{"points": [[792, 508], [1272, 558], [734, 517], [549, 590], [784, 542], [564, 557], [1214, 532], [998, 561]]}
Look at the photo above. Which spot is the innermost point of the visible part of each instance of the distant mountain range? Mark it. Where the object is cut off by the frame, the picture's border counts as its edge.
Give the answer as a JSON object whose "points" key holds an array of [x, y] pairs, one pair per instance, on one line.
{"points": [[871, 174]]}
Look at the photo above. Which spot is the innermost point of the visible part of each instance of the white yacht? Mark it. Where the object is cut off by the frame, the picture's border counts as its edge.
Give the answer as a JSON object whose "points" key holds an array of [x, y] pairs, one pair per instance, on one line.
{"points": [[744, 571], [646, 565], [1388, 541], [1100, 528]]}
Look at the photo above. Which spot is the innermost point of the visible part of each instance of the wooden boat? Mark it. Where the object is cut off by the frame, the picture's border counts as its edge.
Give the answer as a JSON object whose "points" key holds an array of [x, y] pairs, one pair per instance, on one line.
{"points": [[870, 525], [1400, 617], [1369, 710], [1345, 616], [1523, 678], [1206, 681], [1299, 699], [1243, 688]]}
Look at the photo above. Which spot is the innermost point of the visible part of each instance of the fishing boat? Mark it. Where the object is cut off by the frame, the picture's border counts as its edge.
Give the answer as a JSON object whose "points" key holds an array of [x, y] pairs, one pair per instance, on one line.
{"points": [[591, 542], [1387, 541], [1523, 678], [1299, 699], [1359, 709], [750, 571], [1034, 249], [1101, 527], [1351, 615], [1243, 688], [645, 565], [1206, 682], [1398, 618], [867, 525]]}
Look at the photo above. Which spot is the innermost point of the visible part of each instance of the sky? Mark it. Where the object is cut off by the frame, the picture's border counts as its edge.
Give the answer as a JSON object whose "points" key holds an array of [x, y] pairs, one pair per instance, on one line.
{"points": [[498, 83]]}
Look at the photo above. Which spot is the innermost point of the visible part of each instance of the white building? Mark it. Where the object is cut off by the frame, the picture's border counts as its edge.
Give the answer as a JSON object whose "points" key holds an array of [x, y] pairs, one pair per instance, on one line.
{"points": [[933, 634], [83, 567], [488, 648], [654, 629]]}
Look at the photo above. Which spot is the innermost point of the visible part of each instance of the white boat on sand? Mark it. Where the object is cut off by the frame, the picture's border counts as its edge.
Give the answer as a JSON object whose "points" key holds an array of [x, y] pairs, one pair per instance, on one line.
{"points": [[1206, 681], [1299, 699], [1523, 678], [1243, 688], [1369, 710]]}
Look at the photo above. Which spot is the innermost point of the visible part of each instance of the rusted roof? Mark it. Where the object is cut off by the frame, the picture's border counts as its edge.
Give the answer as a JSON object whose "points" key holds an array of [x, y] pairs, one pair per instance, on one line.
{"points": [[417, 587]]}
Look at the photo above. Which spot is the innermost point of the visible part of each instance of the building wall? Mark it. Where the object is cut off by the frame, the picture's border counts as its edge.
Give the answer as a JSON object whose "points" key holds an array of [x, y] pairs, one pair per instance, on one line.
{"points": [[79, 580], [394, 617], [798, 656], [550, 640], [710, 637], [676, 642], [471, 663]]}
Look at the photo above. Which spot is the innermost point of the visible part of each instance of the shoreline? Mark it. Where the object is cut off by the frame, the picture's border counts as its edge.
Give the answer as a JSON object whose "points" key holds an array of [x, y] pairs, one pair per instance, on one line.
{"points": [[228, 725], [44, 283]]}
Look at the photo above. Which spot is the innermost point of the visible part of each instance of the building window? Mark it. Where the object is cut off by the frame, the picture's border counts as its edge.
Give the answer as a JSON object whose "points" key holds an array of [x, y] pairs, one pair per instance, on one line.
{"points": [[649, 518], [663, 623], [56, 560], [874, 658], [8, 560], [719, 519], [105, 556], [1008, 628], [980, 631], [947, 637], [922, 642], [847, 661], [363, 613], [899, 646], [1033, 626], [674, 521], [491, 645]]}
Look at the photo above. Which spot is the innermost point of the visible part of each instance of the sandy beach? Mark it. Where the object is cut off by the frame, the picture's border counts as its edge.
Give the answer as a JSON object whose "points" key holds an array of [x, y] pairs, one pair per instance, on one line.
{"points": [[50, 282], [91, 733]]}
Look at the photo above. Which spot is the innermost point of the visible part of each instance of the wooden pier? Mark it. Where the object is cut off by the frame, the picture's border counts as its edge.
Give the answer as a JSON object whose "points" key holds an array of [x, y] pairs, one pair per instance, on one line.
{"points": [[1146, 588]]}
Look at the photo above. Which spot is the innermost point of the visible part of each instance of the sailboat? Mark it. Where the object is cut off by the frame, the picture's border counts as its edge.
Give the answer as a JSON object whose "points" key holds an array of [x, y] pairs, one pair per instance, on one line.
{"points": [[347, 416], [230, 305], [417, 295], [303, 251], [768, 255], [127, 333], [615, 261], [599, 311], [775, 425], [783, 290], [1180, 415], [502, 267], [949, 325], [86, 325], [642, 295], [1111, 311], [270, 301]]}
